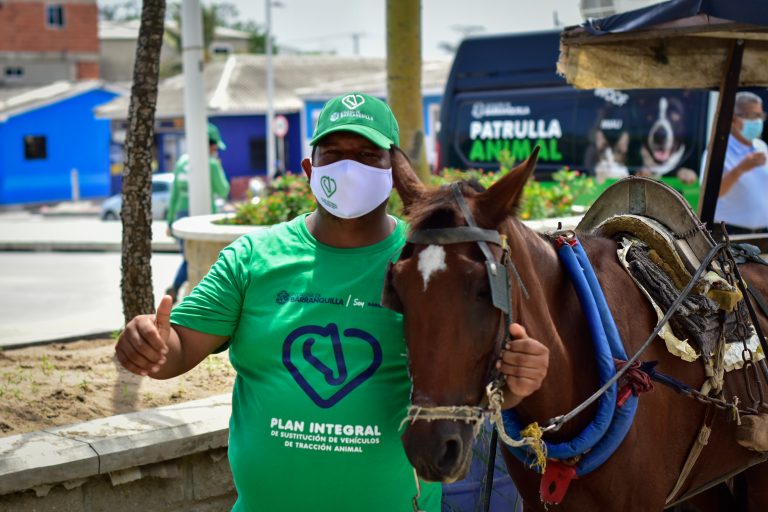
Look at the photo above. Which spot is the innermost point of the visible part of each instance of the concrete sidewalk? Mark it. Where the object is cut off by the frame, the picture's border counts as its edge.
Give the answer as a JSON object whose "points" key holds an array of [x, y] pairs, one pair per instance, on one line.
{"points": [[23, 231], [63, 296], [66, 283]]}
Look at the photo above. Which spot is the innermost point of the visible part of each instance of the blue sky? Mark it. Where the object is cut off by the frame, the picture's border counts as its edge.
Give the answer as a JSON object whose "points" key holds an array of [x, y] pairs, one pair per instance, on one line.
{"points": [[329, 24]]}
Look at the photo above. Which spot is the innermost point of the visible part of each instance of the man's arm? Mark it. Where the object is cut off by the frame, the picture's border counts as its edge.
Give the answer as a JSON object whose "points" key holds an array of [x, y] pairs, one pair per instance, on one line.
{"points": [[219, 183], [751, 161], [173, 202], [150, 346]]}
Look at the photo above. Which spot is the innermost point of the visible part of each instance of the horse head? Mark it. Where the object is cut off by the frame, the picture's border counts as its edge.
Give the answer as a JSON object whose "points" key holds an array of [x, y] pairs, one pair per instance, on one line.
{"points": [[453, 331]]}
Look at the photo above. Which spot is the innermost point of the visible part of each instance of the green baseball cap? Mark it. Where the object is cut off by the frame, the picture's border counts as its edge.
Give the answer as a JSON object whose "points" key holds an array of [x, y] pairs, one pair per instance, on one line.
{"points": [[361, 114], [215, 136]]}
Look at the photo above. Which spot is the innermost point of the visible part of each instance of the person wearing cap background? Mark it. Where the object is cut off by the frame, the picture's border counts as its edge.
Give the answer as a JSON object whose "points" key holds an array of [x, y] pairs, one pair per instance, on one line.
{"points": [[178, 204], [322, 380]]}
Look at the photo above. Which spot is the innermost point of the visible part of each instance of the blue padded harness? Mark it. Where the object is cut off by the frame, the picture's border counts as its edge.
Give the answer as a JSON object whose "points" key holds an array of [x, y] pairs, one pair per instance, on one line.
{"points": [[610, 425]]}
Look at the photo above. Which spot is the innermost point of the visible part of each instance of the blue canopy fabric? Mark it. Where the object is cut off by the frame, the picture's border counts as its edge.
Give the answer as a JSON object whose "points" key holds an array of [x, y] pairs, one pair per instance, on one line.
{"points": [[752, 12]]}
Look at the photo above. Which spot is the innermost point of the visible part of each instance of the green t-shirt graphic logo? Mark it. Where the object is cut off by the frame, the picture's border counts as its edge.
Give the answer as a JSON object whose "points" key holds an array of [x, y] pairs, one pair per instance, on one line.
{"points": [[320, 375], [329, 185]]}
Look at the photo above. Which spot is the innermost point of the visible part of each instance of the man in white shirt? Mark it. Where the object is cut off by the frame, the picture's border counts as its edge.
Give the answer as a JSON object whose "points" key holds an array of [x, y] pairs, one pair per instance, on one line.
{"points": [[743, 199]]}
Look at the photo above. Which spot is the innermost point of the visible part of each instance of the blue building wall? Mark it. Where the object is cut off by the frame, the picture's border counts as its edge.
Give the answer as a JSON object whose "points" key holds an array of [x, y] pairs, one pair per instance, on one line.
{"points": [[431, 102], [75, 139], [238, 131]]}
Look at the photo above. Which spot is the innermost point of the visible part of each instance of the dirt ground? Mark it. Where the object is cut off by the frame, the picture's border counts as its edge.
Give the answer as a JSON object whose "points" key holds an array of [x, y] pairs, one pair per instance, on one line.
{"points": [[63, 383]]}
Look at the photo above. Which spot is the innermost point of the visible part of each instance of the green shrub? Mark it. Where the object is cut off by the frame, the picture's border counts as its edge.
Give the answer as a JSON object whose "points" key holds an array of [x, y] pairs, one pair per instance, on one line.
{"points": [[290, 195]]}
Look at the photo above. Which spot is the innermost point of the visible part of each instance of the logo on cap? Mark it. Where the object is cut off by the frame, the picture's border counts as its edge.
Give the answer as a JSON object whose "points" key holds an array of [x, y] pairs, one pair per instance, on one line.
{"points": [[353, 101]]}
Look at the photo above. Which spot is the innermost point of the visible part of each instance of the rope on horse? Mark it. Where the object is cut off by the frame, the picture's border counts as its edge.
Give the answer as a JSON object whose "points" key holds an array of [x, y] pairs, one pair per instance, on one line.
{"points": [[465, 413], [531, 435]]}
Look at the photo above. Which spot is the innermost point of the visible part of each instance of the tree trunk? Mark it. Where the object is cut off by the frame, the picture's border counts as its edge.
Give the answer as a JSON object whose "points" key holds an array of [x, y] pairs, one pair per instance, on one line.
{"points": [[136, 282], [404, 78]]}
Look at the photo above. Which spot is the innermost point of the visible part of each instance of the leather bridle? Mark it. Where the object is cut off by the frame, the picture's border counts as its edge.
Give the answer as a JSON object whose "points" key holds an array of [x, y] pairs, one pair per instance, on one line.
{"points": [[498, 273]]}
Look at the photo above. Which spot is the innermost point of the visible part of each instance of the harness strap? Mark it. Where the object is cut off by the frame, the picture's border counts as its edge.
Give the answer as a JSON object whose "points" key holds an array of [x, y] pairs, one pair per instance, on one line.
{"points": [[742, 284], [447, 236], [702, 439], [759, 299], [456, 189], [756, 459], [500, 295], [490, 466]]}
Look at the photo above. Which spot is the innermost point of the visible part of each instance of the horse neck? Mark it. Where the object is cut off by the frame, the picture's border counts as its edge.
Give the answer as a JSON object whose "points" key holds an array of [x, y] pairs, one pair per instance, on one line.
{"points": [[552, 315]]}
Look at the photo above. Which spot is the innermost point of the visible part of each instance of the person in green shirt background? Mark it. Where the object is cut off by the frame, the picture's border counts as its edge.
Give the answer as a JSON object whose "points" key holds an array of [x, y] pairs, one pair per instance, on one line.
{"points": [[322, 380], [178, 206]]}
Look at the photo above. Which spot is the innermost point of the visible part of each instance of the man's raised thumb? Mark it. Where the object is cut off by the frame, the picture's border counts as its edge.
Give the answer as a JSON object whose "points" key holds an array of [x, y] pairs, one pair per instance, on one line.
{"points": [[163, 316]]}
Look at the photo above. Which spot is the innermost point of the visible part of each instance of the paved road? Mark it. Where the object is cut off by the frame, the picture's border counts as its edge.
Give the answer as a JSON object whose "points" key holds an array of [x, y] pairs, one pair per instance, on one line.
{"points": [[55, 295], [20, 230]]}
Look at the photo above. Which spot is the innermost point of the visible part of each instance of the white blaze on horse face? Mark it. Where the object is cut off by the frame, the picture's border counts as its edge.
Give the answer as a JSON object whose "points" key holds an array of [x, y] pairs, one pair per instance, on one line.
{"points": [[431, 260]]}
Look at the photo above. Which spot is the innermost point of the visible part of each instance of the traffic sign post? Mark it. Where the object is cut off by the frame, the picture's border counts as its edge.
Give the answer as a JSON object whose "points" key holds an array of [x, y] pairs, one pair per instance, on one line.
{"points": [[280, 129], [280, 126]]}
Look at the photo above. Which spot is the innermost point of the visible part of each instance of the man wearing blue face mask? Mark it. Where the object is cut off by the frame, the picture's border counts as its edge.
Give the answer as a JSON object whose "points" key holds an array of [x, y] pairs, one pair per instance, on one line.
{"points": [[742, 201], [322, 381]]}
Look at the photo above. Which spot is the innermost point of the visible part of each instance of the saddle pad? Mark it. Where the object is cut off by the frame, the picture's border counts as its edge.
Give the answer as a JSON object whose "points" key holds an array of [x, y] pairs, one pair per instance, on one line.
{"points": [[732, 358]]}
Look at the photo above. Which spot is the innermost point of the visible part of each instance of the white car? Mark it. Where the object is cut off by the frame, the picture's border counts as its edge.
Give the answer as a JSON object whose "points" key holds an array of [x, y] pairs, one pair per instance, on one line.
{"points": [[161, 195]]}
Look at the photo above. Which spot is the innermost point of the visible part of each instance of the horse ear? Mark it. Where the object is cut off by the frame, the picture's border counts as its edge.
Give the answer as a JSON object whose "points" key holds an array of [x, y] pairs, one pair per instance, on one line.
{"points": [[502, 199], [405, 180]]}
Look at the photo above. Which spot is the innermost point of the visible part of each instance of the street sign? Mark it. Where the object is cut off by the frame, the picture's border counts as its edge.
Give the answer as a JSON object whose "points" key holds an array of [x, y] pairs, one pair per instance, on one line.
{"points": [[280, 126]]}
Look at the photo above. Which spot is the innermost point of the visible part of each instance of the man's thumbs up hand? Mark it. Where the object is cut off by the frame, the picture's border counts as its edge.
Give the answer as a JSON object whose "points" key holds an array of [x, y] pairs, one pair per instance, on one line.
{"points": [[143, 344], [163, 318]]}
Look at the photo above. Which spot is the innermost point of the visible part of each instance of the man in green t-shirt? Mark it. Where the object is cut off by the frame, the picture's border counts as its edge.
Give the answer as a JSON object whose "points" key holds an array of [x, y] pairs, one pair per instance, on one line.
{"points": [[322, 381], [178, 204]]}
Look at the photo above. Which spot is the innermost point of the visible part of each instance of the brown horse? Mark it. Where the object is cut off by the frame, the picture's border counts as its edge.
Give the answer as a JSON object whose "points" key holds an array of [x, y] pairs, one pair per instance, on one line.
{"points": [[452, 333]]}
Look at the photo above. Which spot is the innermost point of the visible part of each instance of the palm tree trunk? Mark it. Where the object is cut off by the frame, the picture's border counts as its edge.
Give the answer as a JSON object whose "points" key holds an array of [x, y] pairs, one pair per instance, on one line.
{"points": [[136, 282], [404, 78]]}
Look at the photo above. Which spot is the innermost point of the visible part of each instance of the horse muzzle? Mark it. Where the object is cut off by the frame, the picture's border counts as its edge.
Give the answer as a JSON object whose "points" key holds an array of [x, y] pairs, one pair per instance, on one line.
{"points": [[439, 450]]}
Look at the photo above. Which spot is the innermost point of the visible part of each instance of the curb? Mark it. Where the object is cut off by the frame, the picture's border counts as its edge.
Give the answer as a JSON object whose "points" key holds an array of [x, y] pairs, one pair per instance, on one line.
{"points": [[66, 339], [65, 246]]}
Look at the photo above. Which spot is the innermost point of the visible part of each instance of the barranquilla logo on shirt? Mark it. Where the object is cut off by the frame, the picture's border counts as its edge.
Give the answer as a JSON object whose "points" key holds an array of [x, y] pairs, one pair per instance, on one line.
{"points": [[328, 363]]}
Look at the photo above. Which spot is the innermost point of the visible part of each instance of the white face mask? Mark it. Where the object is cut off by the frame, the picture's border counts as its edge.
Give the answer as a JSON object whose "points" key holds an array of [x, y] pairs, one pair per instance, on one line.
{"points": [[349, 189]]}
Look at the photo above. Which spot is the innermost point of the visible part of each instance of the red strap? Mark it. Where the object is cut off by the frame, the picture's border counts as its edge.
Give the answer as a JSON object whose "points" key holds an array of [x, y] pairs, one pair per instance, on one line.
{"points": [[560, 241], [634, 382], [623, 396], [555, 481]]}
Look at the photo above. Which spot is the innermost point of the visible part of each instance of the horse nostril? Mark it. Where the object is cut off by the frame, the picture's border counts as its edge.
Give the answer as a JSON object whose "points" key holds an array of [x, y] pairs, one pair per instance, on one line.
{"points": [[451, 452]]}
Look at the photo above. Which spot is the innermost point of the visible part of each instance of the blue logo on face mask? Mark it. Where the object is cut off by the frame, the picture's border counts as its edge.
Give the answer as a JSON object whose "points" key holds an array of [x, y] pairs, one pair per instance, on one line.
{"points": [[752, 129], [321, 347]]}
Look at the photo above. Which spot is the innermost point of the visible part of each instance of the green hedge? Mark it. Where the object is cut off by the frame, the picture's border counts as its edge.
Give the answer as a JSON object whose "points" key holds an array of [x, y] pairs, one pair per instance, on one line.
{"points": [[290, 195]]}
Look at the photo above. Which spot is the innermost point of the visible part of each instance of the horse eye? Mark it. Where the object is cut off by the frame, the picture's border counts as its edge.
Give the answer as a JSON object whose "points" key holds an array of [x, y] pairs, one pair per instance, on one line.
{"points": [[475, 280]]}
